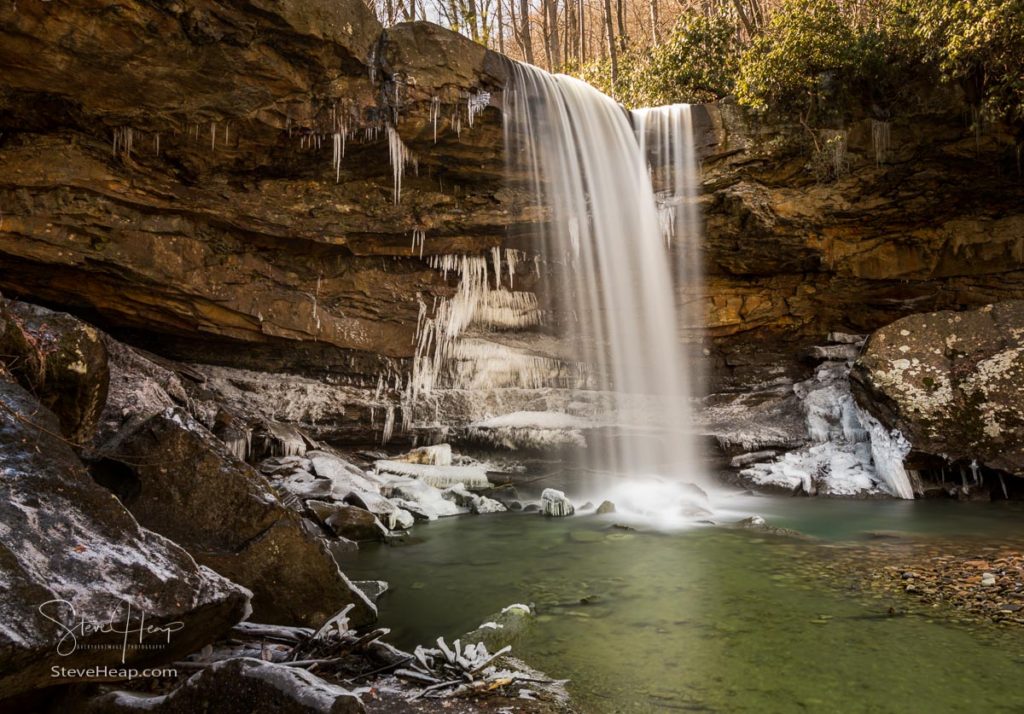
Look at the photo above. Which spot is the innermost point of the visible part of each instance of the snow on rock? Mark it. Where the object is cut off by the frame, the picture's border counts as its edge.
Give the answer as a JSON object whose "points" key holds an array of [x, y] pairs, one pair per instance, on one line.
{"points": [[555, 503], [438, 476], [474, 502], [420, 498]]}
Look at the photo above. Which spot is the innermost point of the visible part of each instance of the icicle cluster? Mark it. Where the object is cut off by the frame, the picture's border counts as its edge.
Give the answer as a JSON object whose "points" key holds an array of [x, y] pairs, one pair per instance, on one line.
{"points": [[477, 102], [124, 137], [419, 239], [400, 158]]}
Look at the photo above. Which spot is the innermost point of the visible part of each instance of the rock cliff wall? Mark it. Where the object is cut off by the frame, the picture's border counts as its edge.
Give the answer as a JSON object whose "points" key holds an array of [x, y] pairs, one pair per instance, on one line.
{"points": [[274, 185]]}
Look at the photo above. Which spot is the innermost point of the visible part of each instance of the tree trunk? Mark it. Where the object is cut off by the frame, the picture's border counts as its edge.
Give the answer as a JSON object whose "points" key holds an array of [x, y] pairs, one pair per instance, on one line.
{"points": [[552, 38], [655, 30], [620, 14], [524, 17], [501, 27], [612, 50]]}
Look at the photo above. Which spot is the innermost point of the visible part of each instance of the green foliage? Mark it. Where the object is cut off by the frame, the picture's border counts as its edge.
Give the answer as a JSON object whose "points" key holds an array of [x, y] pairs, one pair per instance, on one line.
{"points": [[696, 63], [979, 44], [806, 47], [822, 59]]}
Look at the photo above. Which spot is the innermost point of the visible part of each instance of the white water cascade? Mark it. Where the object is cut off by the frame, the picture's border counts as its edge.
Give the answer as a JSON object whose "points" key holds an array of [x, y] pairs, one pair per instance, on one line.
{"points": [[612, 280]]}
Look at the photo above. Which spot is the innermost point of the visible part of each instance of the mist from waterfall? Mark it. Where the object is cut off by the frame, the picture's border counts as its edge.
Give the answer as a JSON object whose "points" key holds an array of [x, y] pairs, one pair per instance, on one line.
{"points": [[614, 263]]}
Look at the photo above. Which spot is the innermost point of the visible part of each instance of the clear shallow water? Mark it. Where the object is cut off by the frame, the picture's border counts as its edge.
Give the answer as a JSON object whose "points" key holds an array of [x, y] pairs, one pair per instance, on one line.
{"points": [[709, 619]]}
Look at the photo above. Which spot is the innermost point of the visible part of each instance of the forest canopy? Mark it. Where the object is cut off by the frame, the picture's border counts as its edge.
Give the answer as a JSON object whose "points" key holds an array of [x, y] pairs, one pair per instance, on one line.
{"points": [[803, 56]]}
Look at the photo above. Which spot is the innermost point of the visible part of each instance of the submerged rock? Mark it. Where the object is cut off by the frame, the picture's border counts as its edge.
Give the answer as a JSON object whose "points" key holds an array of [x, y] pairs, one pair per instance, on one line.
{"points": [[190, 488], [555, 503], [67, 541]]}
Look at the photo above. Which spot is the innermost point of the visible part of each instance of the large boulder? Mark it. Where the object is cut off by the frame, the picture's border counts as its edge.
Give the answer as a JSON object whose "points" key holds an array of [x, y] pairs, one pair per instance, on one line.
{"points": [[192, 489], [951, 382], [70, 554], [61, 360]]}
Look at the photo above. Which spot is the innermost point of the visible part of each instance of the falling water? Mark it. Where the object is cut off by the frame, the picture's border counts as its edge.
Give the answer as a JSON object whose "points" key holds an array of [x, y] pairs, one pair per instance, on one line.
{"points": [[610, 275]]}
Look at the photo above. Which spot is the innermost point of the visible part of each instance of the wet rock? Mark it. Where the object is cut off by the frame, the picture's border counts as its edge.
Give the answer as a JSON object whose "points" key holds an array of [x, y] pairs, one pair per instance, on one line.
{"points": [[238, 686], [61, 360], [605, 507], [555, 503], [951, 383], [65, 538], [373, 589], [502, 628], [348, 522], [474, 502], [225, 513]]}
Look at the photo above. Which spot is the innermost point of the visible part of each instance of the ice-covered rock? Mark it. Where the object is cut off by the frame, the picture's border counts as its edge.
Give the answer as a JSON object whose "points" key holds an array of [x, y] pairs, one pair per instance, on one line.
{"points": [[530, 430], [845, 457], [421, 499], [474, 477], [555, 503], [474, 502]]}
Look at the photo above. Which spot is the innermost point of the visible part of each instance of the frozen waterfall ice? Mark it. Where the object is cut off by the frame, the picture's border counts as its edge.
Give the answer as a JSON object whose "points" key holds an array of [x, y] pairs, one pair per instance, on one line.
{"points": [[617, 271]]}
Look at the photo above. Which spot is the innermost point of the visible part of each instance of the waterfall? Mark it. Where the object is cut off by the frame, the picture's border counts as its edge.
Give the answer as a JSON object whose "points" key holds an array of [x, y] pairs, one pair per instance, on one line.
{"points": [[611, 275]]}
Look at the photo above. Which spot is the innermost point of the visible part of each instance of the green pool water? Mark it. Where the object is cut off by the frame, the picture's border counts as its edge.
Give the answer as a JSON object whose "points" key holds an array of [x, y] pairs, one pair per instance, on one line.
{"points": [[708, 619]]}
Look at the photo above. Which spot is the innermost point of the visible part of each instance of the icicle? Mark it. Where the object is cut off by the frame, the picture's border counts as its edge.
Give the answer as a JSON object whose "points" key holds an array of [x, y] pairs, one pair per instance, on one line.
{"points": [[213, 136], [400, 157], [339, 143], [419, 238], [389, 425], [435, 110], [158, 143]]}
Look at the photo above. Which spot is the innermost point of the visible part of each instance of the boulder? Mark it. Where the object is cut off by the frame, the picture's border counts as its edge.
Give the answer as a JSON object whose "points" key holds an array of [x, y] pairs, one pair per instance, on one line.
{"points": [[66, 541], [196, 492], [238, 686], [61, 360], [349, 522], [951, 382]]}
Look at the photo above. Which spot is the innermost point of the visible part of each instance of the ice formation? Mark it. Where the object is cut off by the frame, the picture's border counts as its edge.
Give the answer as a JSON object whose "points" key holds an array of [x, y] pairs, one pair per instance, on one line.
{"points": [[400, 158], [419, 240], [436, 476], [850, 451]]}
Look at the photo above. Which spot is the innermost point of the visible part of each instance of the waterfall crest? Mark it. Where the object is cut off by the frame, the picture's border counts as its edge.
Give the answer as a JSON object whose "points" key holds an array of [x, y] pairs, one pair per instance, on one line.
{"points": [[612, 276]]}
